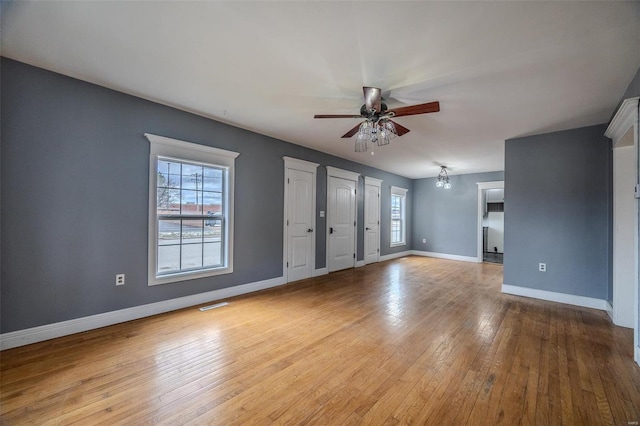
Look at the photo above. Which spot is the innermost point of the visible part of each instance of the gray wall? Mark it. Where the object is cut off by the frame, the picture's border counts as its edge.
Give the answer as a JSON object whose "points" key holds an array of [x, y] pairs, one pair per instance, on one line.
{"points": [[558, 199], [448, 219], [75, 167], [633, 89]]}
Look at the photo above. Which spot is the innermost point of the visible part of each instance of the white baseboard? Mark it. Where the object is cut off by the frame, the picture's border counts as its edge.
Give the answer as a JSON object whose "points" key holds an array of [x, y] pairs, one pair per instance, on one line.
{"points": [[609, 310], [445, 256], [77, 325], [360, 263], [395, 255], [318, 272], [569, 299]]}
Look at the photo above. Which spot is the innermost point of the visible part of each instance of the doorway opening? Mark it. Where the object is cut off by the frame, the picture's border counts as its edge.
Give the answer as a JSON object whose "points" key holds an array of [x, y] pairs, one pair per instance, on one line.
{"points": [[490, 222]]}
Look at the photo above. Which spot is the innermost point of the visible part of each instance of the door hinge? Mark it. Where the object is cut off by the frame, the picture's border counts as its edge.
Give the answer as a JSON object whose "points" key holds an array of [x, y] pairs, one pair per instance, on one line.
{"points": [[378, 250], [354, 223], [288, 181], [287, 222], [287, 264], [354, 255]]}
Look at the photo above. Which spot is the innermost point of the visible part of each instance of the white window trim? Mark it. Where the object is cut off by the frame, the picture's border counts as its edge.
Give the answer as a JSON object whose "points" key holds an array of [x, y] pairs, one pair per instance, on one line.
{"points": [[188, 151], [395, 190]]}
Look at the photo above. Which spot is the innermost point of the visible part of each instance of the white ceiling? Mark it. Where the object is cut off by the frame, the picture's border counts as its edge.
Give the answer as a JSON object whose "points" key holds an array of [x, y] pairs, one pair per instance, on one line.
{"points": [[499, 69]]}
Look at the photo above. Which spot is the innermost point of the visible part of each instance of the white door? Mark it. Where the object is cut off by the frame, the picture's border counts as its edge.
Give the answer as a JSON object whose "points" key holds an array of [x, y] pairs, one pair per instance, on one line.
{"points": [[341, 222], [300, 200], [371, 222]]}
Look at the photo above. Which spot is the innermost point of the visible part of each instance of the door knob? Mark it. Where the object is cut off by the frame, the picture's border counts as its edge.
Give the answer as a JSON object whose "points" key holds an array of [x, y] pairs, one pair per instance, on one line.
{"points": [[368, 229], [310, 230], [331, 230]]}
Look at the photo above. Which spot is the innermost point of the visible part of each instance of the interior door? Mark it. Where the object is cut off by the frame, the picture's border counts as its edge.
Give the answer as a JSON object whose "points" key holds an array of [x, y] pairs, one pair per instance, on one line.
{"points": [[371, 223], [299, 224], [341, 222]]}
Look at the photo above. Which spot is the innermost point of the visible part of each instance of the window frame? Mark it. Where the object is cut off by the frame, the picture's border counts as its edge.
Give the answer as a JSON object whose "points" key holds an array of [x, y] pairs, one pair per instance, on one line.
{"points": [[402, 193], [183, 151]]}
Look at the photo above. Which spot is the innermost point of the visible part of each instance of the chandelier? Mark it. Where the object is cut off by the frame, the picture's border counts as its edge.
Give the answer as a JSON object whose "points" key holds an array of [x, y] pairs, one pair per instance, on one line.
{"points": [[378, 132], [443, 178]]}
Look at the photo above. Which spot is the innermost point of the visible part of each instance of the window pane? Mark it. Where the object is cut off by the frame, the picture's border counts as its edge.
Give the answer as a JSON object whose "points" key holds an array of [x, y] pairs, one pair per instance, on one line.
{"points": [[212, 254], [212, 203], [191, 256], [168, 232], [212, 179], [395, 206], [191, 177], [191, 202], [168, 201], [396, 228], [192, 231], [168, 174], [168, 259]]}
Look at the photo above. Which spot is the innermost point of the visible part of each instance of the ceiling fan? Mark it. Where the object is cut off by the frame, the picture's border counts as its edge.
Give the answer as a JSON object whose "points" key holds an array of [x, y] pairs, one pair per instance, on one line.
{"points": [[378, 126]]}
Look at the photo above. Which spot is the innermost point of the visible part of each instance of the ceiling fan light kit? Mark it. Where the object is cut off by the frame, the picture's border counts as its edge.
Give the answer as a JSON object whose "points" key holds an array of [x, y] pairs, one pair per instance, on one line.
{"points": [[443, 178], [378, 127], [380, 133]]}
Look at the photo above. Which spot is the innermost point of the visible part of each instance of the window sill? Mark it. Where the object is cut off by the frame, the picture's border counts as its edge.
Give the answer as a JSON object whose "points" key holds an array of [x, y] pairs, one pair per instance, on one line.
{"points": [[397, 244], [185, 276]]}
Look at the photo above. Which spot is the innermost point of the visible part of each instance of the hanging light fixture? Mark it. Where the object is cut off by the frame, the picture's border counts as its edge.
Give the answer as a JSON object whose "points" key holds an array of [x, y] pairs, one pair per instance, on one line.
{"points": [[443, 178], [379, 132]]}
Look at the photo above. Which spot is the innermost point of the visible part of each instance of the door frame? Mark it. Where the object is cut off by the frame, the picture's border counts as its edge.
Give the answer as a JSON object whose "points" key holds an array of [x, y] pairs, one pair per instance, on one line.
{"points": [[627, 118], [304, 166], [347, 175], [373, 182], [497, 184]]}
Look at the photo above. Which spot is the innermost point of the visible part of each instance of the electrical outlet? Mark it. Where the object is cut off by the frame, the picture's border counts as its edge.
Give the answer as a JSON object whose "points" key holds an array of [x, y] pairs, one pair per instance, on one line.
{"points": [[424, 241], [120, 279], [542, 267]]}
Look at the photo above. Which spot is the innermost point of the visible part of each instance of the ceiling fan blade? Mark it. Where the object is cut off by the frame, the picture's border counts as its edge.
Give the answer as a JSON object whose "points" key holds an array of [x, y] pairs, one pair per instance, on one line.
{"points": [[372, 98], [352, 131], [336, 116], [400, 130], [415, 109]]}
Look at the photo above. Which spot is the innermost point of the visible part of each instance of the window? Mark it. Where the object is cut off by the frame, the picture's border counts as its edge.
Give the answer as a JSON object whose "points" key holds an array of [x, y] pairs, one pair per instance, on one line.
{"points": [[190, 210], [398, 216]]}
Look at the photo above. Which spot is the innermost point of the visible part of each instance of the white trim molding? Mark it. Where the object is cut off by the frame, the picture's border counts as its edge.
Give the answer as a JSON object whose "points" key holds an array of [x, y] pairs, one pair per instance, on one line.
{"points": [[609, 311], [552, 296], [372, 181], [359, 263], [161, 147], [64, 328], [625, 118], [320, 271], [391, 256], [296, 163], [343, 174], [445, 256]]}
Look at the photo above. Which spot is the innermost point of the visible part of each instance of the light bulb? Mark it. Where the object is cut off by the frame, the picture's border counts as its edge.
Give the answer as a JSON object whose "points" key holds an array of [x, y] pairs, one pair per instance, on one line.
{"points": [[447, 185], [439, 183]]}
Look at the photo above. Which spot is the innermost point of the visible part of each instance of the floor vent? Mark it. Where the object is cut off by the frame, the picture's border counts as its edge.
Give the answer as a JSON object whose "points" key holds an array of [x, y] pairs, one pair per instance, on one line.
{"points": [[217, 305]]}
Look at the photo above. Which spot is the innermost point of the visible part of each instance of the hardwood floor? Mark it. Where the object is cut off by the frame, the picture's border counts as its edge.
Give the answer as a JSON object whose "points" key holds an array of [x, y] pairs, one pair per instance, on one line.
{"points": [[415, 340]]}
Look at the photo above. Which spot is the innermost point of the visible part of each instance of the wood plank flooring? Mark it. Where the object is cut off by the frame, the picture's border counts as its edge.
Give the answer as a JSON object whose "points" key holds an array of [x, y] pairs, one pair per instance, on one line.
{"points": [[410, 341]]}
